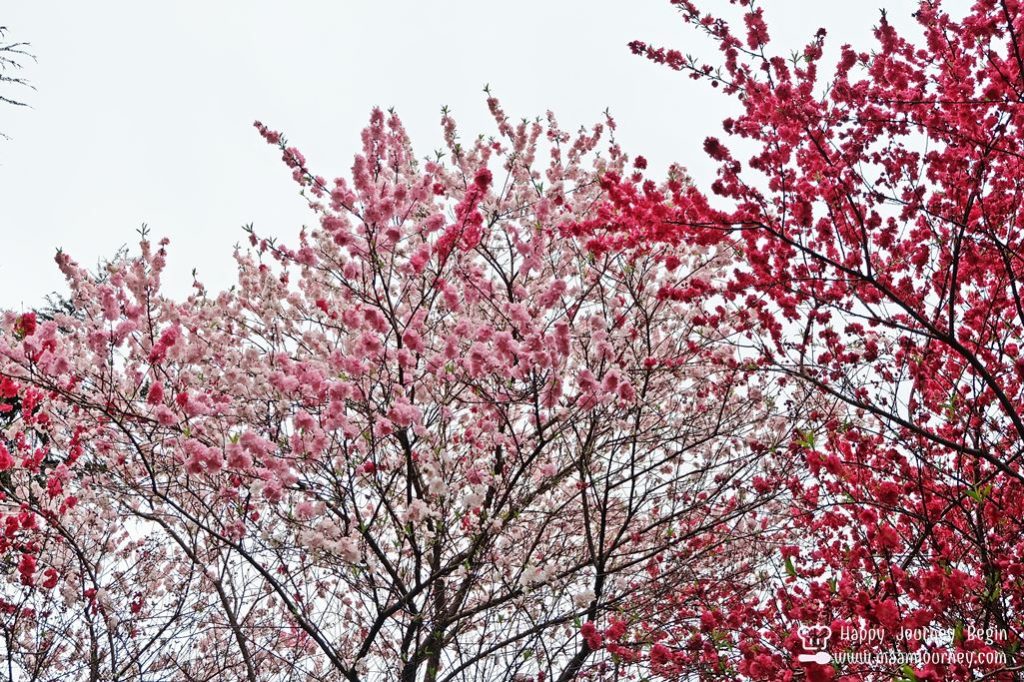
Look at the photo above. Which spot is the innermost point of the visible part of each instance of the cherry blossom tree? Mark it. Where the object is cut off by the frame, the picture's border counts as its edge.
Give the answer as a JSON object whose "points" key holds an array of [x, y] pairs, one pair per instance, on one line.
{"points": [[433, 439], [877, 209]]}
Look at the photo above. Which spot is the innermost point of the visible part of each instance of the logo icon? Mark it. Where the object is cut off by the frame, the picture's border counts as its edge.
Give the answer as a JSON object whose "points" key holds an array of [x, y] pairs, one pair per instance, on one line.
{"points": [[815, 639]]}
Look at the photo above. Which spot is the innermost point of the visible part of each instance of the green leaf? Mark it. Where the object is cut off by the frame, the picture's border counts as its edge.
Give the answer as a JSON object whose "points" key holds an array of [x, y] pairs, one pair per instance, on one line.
{"points": [[790, 568], [993, 594], [950, 407], [979, 494]]}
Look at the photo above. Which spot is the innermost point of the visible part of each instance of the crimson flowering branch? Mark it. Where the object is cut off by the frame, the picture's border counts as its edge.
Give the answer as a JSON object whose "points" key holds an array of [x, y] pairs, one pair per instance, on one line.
{"points": [[877, 219]]}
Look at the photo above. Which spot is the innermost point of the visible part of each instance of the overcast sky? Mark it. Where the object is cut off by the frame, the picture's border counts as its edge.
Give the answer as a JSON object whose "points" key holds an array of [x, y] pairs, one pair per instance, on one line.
{"points": [[143, 110]]}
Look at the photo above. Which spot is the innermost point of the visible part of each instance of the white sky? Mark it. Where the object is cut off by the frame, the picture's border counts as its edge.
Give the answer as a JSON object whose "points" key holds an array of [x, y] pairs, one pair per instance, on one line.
{"points": [[143, 110]]}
